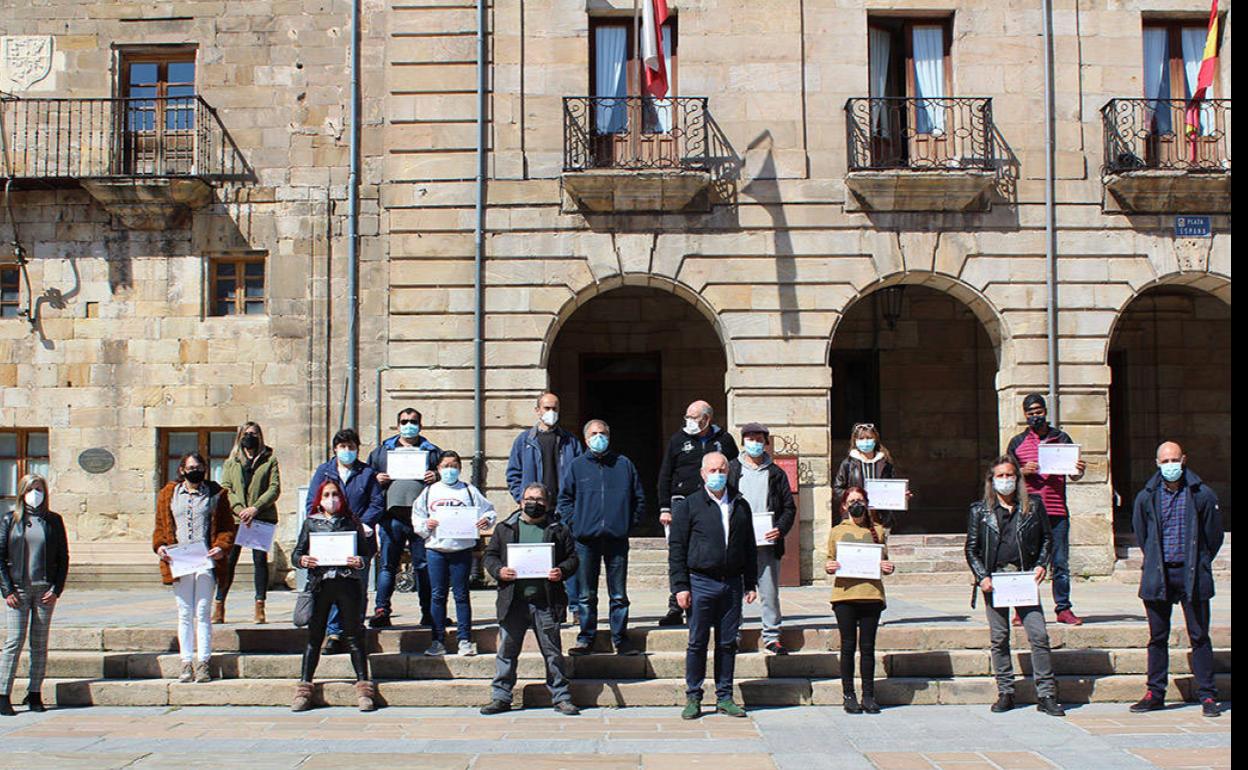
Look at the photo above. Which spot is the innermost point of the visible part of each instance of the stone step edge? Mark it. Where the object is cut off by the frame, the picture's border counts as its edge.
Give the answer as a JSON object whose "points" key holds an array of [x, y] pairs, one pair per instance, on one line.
{"points": [[1118, 688]]}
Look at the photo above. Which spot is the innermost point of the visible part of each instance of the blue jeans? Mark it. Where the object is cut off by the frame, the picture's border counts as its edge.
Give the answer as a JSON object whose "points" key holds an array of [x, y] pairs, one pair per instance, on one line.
{"points": [[715, 604], [396, 535], [450, 572], [334, 626], [592, 553], [1061, 562], [576, 600]]}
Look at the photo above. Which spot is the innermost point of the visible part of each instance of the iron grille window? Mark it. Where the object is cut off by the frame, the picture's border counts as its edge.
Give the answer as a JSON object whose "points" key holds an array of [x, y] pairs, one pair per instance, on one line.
{"points": [[22, 451]]}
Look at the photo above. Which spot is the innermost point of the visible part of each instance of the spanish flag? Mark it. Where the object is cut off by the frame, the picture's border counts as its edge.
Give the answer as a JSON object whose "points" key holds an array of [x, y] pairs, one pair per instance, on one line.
{"points": [[1208, 65]]}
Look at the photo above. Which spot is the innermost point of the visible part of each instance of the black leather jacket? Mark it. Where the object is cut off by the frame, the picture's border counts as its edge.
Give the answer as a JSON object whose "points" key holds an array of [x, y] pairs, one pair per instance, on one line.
{"points": [[1035, 538], [56, 554], [363, 546]]}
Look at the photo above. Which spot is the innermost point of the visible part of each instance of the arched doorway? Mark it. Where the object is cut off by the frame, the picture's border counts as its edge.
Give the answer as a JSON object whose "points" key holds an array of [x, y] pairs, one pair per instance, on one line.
{"points": [[1170, 364], [636, 357], [920, 365]]}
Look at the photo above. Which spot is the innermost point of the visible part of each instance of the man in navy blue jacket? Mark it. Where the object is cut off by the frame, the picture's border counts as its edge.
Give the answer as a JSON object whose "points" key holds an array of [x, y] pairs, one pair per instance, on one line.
{"points": [[601, 500], [365, 499], [1178, 526]]}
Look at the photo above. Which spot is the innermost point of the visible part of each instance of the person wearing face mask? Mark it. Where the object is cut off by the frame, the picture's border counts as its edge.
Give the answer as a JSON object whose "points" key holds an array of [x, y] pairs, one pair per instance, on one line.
{"points": [[1025, 447], [712, 565], [365, 498], [531, 603], [867, 459], [194, 509], [336, 586], [540, 455], [253, 481], [1178, 526], [34, 562], [395, 533], [1008, 531], [450, 559], [857, 602], [766, 488], [601, 500], [679, 475]]}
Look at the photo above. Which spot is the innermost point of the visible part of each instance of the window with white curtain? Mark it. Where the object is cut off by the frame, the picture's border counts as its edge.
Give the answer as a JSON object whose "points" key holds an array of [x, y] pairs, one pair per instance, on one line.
{"points": [[1172, 52], [908, 58], [614, 73], [929, 78]]}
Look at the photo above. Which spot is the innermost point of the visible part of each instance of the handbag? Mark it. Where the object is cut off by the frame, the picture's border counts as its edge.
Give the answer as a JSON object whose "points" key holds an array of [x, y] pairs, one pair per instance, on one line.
{"points": [[304, 602]]}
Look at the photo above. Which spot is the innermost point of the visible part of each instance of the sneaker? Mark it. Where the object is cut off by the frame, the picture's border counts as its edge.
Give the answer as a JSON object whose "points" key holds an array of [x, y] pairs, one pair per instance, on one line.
{"points": [[496, 707], [1209, 708], [869, 704], [201, 672], [1050, 706], [333, 645], [775, 648], [467, 648], [1069, 618], [1005, 702], [436, 650], [849, 702], [1149, 702], [579, 650], [567, 708], [729, 709], [188, 672], [692, 709], [672, 618], [380, 619]]}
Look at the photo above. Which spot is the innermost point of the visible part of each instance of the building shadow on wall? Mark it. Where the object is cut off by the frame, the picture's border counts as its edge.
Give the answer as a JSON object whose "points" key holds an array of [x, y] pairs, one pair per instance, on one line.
{"points": [[764, 188]]}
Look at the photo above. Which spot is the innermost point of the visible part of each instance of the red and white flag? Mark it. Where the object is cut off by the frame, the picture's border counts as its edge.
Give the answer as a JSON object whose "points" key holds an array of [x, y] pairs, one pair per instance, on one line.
{"points": [[1208, 67], [654, 62]]}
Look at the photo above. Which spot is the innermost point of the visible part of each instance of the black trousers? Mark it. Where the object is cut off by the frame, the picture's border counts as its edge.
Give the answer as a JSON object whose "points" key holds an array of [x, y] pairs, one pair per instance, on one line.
{"points": [[1196, 615], [345, 593], [259, 560], [858, 622]]}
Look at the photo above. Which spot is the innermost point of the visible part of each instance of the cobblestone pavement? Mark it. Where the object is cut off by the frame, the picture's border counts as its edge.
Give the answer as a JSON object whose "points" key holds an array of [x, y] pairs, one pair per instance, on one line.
{"points": [[802, 738]]}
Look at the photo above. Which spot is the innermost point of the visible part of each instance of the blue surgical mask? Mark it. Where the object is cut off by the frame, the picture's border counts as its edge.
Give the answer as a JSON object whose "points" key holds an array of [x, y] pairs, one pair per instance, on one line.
{"points": [[347, 456], [1171, 471], [598, 443], [716, 481], [755, 448], [409, 430], [865, 445], [449, 475]]}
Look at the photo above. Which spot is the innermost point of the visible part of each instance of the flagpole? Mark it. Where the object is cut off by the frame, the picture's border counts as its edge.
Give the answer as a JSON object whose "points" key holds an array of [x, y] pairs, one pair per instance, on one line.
{"points": [[634, 113]]}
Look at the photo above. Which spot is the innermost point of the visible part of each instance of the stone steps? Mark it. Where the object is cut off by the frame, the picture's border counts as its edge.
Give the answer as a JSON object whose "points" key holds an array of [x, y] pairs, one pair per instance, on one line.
{"points": [[591, 692]]}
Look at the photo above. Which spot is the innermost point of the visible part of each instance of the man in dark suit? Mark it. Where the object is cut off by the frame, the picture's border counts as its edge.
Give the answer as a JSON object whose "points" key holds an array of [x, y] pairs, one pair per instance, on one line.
{"points": [[712, 565]]}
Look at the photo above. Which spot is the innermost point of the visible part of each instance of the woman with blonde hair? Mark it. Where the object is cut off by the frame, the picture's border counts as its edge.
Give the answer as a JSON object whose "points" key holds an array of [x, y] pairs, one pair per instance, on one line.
{"points": [[867, 458], [253, 481], [34, 561]]}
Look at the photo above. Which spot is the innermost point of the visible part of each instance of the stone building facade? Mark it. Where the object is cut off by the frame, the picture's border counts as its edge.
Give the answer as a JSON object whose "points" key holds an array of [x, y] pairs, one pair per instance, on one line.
{"points": [[753, 277]]}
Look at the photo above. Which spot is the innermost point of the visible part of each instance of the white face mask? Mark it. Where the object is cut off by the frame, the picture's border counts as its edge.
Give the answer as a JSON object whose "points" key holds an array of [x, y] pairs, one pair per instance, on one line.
{"points": [[549, 418], [692, 427], [1005, 485], [34, 498], [330, 505]]}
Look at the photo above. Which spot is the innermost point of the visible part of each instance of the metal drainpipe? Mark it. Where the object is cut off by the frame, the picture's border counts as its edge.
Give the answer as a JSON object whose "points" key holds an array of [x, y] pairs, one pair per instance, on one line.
{"points": [[351, 395], [478, 354], [1050, 214]]}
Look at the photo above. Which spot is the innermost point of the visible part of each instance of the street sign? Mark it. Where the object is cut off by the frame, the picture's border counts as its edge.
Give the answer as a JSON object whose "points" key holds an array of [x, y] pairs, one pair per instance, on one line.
{"points": [[1193, 227]]}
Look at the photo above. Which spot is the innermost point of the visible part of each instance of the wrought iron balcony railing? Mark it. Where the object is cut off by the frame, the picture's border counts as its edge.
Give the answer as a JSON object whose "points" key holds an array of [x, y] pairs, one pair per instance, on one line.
{"points": [[635, 133], [1142, 134], [921, 134], [176, 136]]}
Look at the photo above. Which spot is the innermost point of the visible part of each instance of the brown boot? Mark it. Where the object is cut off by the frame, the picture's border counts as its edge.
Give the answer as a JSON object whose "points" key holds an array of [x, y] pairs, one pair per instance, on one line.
{"points": [[367, 694], [260, 618], [218, 612], [303, 697]]}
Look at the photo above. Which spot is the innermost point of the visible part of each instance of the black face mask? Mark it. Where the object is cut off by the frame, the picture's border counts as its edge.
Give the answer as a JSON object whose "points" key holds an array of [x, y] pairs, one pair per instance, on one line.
{"points": [[857, 510], [249, 441], [534, 510], [195, 477], [1037, 422]]}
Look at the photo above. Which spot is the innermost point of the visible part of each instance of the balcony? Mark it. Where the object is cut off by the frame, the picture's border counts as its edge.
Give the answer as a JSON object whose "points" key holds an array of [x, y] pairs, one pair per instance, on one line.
{"points": [[148, 161], [1155, 165], [636, 154], [920, 154]]}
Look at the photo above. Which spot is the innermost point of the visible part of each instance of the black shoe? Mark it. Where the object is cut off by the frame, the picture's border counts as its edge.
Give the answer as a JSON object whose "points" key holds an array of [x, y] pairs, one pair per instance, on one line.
{"points": [[1050, 706], [869, 704], [579, 650], [380, 619], [775, 648], [627, 650], [567, 708], [672, 618], [851, 704], [1004, 703], [1209, 708], [496, 707], [35, 701], [1149, 702], [426, 621], [6, 707], [333, 646]]}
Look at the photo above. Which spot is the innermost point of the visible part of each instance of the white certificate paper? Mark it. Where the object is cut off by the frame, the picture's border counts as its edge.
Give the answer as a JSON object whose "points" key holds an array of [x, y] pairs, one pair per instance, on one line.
{"points": [[1015, 589], [531, 560], [331, 549], [1059, 459], [763, 523], [859, 560], [407, 463], [188, 559], [457, 523], [888, 494], [257, 536]]}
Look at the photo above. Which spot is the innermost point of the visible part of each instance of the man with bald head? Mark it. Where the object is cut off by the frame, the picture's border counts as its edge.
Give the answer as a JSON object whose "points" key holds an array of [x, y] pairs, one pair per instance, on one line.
{"points": [[680, 474], [712, 564], [1178, 527]]}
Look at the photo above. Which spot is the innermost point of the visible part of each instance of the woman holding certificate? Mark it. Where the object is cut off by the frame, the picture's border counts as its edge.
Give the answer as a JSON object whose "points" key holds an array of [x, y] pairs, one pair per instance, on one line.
{"points": [[332, 547], [451, 515], [857, 559], [868, 460], [254, 482], [194, 531]]}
